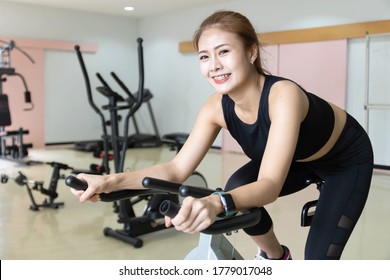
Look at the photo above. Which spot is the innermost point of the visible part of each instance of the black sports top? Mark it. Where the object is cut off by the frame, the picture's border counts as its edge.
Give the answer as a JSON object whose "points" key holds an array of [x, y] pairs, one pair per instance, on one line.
{"points": [[315, 130]]}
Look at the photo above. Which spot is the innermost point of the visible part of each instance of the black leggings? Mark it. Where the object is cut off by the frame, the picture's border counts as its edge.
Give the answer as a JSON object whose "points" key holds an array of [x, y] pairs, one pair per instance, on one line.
{"points": [[346, 171]]}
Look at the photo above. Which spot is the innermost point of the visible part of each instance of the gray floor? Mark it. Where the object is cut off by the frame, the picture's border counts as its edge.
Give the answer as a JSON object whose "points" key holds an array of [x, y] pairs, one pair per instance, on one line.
{"points": [[75, 231]]}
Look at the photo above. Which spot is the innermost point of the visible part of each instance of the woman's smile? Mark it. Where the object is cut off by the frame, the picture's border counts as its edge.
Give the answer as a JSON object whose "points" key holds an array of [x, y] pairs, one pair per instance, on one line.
{"points": [[220, 79]]}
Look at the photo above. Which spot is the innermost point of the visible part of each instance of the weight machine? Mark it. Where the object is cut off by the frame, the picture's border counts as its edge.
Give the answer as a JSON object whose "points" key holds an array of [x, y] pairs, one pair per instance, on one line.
{"points": [[17, 148]]}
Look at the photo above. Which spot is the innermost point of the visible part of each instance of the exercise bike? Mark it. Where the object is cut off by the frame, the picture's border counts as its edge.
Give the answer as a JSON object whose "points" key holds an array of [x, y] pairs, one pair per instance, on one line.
{"points": [[212, 244]]}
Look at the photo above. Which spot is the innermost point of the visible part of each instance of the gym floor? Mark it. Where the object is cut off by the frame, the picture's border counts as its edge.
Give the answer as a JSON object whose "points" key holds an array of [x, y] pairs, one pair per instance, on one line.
{"points": [[75, 231]]}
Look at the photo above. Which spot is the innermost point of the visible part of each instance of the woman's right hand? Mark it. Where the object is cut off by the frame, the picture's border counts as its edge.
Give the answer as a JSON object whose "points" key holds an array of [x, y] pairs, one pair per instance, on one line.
{"points": [[96, 184]]}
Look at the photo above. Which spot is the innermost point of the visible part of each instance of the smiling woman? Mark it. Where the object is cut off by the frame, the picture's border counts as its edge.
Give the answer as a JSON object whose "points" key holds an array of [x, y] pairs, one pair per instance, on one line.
{"points": [[218, 62]]}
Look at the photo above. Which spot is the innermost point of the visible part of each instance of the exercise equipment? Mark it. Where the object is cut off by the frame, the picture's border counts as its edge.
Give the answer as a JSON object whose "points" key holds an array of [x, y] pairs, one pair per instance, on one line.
{"points": [[138, 139], [175, 140], [133, 226], [16, 149], [213, 244], [31, 185], [151, 219], [104, 144], [117, 103], [308, 208]]}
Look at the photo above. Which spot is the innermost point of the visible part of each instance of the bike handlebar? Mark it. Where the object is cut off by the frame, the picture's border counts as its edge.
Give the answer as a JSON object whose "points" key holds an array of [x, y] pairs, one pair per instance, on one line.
{"points": [[243, 219], [77, 184]]}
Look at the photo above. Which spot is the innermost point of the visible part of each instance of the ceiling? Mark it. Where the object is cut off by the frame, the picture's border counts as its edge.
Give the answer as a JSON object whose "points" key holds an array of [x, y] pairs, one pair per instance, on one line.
{"points": [[142, 8]]}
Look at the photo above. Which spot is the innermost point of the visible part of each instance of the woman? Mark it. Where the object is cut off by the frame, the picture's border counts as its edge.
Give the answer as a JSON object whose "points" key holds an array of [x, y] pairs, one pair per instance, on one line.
{"points": [[287, 133]]}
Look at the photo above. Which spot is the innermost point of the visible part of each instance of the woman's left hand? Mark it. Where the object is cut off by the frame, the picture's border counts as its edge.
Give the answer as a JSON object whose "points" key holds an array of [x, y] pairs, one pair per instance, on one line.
{"points": [[196, 214]]}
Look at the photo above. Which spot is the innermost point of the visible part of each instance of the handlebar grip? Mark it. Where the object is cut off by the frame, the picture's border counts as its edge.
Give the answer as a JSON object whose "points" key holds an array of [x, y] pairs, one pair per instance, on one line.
{"points": [[161, 185], [169, 208], [172, 187], [75, 183], [197, 192]]}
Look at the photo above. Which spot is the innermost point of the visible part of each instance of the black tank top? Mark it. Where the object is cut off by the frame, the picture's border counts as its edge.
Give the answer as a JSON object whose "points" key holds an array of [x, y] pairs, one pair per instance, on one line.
{"points": [[315, 129]]}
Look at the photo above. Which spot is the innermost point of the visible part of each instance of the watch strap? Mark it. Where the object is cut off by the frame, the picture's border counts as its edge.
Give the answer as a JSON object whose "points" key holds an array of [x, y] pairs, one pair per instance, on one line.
{"points": [[227, 202]]}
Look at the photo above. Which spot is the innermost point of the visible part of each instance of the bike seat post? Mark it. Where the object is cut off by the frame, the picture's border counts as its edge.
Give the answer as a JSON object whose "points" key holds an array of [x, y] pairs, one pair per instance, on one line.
{"points": [[308, 209]]}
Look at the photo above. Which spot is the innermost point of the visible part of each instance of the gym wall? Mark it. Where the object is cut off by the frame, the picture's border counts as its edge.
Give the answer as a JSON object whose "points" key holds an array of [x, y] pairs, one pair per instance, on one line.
{"points": [[62, 100]]}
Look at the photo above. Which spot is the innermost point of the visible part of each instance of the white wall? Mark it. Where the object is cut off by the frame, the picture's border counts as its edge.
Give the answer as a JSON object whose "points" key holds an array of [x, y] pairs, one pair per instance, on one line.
{"points": [[68, 116], [377, 119], [173, 77]]}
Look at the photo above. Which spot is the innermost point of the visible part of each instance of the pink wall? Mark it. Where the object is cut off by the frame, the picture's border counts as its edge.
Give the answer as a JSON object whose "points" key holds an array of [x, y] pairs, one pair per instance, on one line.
{"points": [[32, 120], [320, 67]]}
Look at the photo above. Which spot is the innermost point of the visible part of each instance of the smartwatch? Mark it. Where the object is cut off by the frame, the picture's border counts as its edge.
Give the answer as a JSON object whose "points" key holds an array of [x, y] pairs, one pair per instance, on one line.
{"points": [[227, 202]]}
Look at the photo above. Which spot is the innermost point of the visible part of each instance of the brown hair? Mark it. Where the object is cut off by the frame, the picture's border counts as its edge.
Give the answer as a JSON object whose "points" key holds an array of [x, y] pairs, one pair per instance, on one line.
{"points": [[235, 23]]}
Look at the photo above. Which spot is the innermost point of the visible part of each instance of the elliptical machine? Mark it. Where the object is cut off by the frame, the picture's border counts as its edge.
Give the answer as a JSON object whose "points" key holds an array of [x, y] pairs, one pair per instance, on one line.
{"points": [[133, 226]]}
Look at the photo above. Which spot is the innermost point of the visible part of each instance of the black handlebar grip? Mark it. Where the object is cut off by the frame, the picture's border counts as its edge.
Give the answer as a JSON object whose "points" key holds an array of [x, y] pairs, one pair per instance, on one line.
{"points": [[198, 192], [161, 185], [169, 208], [75, 183]]}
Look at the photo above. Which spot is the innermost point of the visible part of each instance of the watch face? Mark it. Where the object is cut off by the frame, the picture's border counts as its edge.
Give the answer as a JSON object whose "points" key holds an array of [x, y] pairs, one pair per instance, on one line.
{"points": [[228, 202]]}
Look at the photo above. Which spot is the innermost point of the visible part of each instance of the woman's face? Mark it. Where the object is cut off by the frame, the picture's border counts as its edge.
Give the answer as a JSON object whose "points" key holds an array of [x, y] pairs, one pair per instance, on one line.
{"points": [[224, 62]]}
